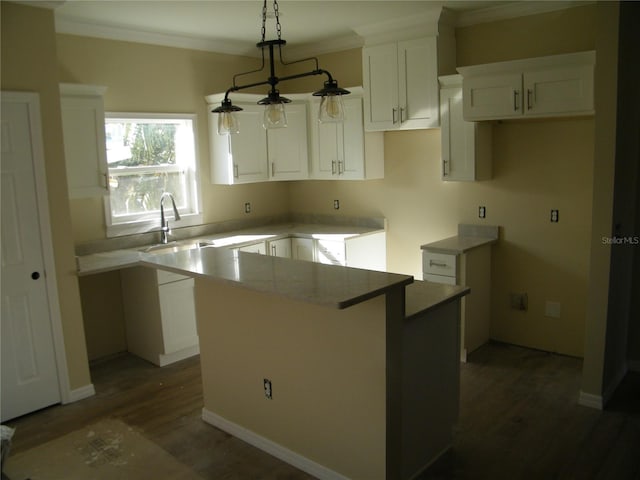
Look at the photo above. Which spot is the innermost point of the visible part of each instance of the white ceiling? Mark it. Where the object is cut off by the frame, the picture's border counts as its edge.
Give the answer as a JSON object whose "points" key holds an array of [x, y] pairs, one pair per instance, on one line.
{"points": [[233, 26]]}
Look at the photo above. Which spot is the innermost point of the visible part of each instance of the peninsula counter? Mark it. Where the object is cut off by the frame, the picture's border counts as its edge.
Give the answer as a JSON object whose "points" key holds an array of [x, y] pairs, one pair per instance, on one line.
{"points": [[357, 389]]}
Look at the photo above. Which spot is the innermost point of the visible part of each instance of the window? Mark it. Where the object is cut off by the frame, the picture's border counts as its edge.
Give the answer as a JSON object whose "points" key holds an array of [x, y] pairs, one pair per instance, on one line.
{"points": [[147, 155]]}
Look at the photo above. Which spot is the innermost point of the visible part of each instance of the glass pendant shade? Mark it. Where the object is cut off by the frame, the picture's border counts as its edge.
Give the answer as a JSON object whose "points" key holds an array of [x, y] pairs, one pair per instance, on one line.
{"points": [[331, 109], [228, 123], [274, 116]]}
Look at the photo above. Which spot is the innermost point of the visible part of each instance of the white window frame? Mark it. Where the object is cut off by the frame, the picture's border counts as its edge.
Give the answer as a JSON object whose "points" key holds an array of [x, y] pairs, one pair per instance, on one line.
{"points": [[150, 221]]}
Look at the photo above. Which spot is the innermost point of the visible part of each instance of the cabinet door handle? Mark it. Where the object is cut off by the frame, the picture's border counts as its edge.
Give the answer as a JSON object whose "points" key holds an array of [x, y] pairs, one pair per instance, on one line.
{"points": [[433, 263], [273, 168], [394, 112], [529, 93], [235, 170], [516, 94], [445, 168], [402, 115], [333, 167], [340, 167], [273, 250]]}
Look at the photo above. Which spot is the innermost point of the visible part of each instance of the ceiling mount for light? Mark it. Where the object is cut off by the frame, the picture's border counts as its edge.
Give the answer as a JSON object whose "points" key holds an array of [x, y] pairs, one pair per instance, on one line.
{"points": [[331, 106]]}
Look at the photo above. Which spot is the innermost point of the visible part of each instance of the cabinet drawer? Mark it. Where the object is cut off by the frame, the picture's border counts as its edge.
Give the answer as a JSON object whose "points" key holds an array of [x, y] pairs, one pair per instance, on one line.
{"points": [[167, 277], [427, 277], [439, 263]]}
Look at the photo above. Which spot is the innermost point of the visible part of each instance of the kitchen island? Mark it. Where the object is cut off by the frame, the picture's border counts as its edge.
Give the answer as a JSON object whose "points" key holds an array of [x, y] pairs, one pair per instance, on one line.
{"points": [[342, 372]]}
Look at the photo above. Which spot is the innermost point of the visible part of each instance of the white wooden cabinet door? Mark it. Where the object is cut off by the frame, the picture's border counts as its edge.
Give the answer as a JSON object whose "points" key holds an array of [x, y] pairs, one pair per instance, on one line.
{"points": [[84, 142], [559, 91], [259, 247], [466, 146], [331, 252], [248, 148], [302, 249], [418, 83], [178, 316], [380, 81], [327, 148], [492, 97], [288, 150], [280, 248], [242, 157], [351, 142]]}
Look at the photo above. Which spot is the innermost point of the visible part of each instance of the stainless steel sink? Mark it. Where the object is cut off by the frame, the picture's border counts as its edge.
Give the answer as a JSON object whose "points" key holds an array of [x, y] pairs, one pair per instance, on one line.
{"points": [[173, 247]]}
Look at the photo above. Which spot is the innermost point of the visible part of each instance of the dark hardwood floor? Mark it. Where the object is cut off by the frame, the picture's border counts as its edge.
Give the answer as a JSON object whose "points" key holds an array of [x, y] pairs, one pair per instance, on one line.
{"points": [[519, 419]]}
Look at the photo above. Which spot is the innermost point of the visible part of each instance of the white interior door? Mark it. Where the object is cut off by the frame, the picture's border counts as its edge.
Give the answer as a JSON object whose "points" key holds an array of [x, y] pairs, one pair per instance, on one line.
{"points": [[29, 369]]}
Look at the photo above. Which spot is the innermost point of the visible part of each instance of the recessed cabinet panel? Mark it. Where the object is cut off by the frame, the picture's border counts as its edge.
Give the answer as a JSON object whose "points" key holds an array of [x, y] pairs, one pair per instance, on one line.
{"points": [[84, 140], [380, 78], [418, 68], [247, 149], [492, 97], [563, 90], [287, 148]]}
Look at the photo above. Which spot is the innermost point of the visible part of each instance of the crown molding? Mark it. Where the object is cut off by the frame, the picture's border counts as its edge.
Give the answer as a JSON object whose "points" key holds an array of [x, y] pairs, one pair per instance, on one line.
{"points": [[326, 46], [86, 29], [396, 29], [514, 10], [48, 4]]}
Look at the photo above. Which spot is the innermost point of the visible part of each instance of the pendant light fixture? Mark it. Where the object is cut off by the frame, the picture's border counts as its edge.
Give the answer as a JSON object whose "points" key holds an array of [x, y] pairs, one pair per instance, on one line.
{"points": [[331, 105]]}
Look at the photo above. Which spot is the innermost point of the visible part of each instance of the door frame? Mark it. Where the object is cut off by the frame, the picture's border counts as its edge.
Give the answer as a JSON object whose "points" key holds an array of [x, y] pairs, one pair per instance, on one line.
{"points": [[32, 101]]}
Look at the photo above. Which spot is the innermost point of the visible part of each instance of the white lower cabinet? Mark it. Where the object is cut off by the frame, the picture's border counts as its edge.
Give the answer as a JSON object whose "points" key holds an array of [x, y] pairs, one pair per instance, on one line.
{"points": [[367, 251], [303, 249], [159, 315], [362, 251], [472, 269], [280, 247], [258, 247]]}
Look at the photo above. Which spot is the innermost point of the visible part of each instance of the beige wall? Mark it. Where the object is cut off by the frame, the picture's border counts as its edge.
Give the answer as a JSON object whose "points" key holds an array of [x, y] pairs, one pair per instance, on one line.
{"points": [[29, 64], [327, 368], [538, 165], [148, 78]]}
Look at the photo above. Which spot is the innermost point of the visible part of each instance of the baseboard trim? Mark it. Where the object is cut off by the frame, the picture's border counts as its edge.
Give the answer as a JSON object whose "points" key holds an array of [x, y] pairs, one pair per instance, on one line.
{"points": [[169, 358], [81, 393], [292, 458], [590, 400]]}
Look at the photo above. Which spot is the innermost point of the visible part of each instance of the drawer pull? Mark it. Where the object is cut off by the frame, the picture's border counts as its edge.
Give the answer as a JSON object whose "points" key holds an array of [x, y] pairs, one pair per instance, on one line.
{"points": [[433, 263]]}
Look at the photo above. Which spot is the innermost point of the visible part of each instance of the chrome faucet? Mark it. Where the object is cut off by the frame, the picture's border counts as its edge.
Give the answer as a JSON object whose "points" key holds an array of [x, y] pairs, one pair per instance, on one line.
{"points": [[164, 223]]}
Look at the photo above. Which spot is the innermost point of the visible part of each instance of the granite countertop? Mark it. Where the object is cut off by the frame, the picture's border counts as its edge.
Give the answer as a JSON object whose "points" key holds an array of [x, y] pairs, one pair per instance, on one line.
{"points": [[329, 285], [423, 296], [99, 262], [469, 237]]}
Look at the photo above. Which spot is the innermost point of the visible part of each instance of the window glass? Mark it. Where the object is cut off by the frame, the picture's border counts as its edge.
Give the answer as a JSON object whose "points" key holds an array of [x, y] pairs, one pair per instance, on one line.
{"points": [[147, 156]]}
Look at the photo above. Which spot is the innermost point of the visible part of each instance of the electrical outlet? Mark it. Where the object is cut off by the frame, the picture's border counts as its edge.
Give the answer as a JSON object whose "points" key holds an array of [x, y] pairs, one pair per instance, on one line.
{"points": [[336, 204], [519, 301], [552, 309], [247, 207], [555, 216], [267, 389], [482, 212]]}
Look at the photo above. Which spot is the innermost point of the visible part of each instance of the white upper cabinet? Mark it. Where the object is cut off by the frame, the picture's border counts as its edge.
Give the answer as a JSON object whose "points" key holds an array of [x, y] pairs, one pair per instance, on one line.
{"points": [[401, 85], [255, 154], [343, 151], [84, 139], [242, 157], [559, 85], [401, 61], [466, 146], [287, 148]]}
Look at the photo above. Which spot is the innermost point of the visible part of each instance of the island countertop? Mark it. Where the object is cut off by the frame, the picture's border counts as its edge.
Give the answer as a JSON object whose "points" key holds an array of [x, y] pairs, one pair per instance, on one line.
{"points": [[329, 285]]}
